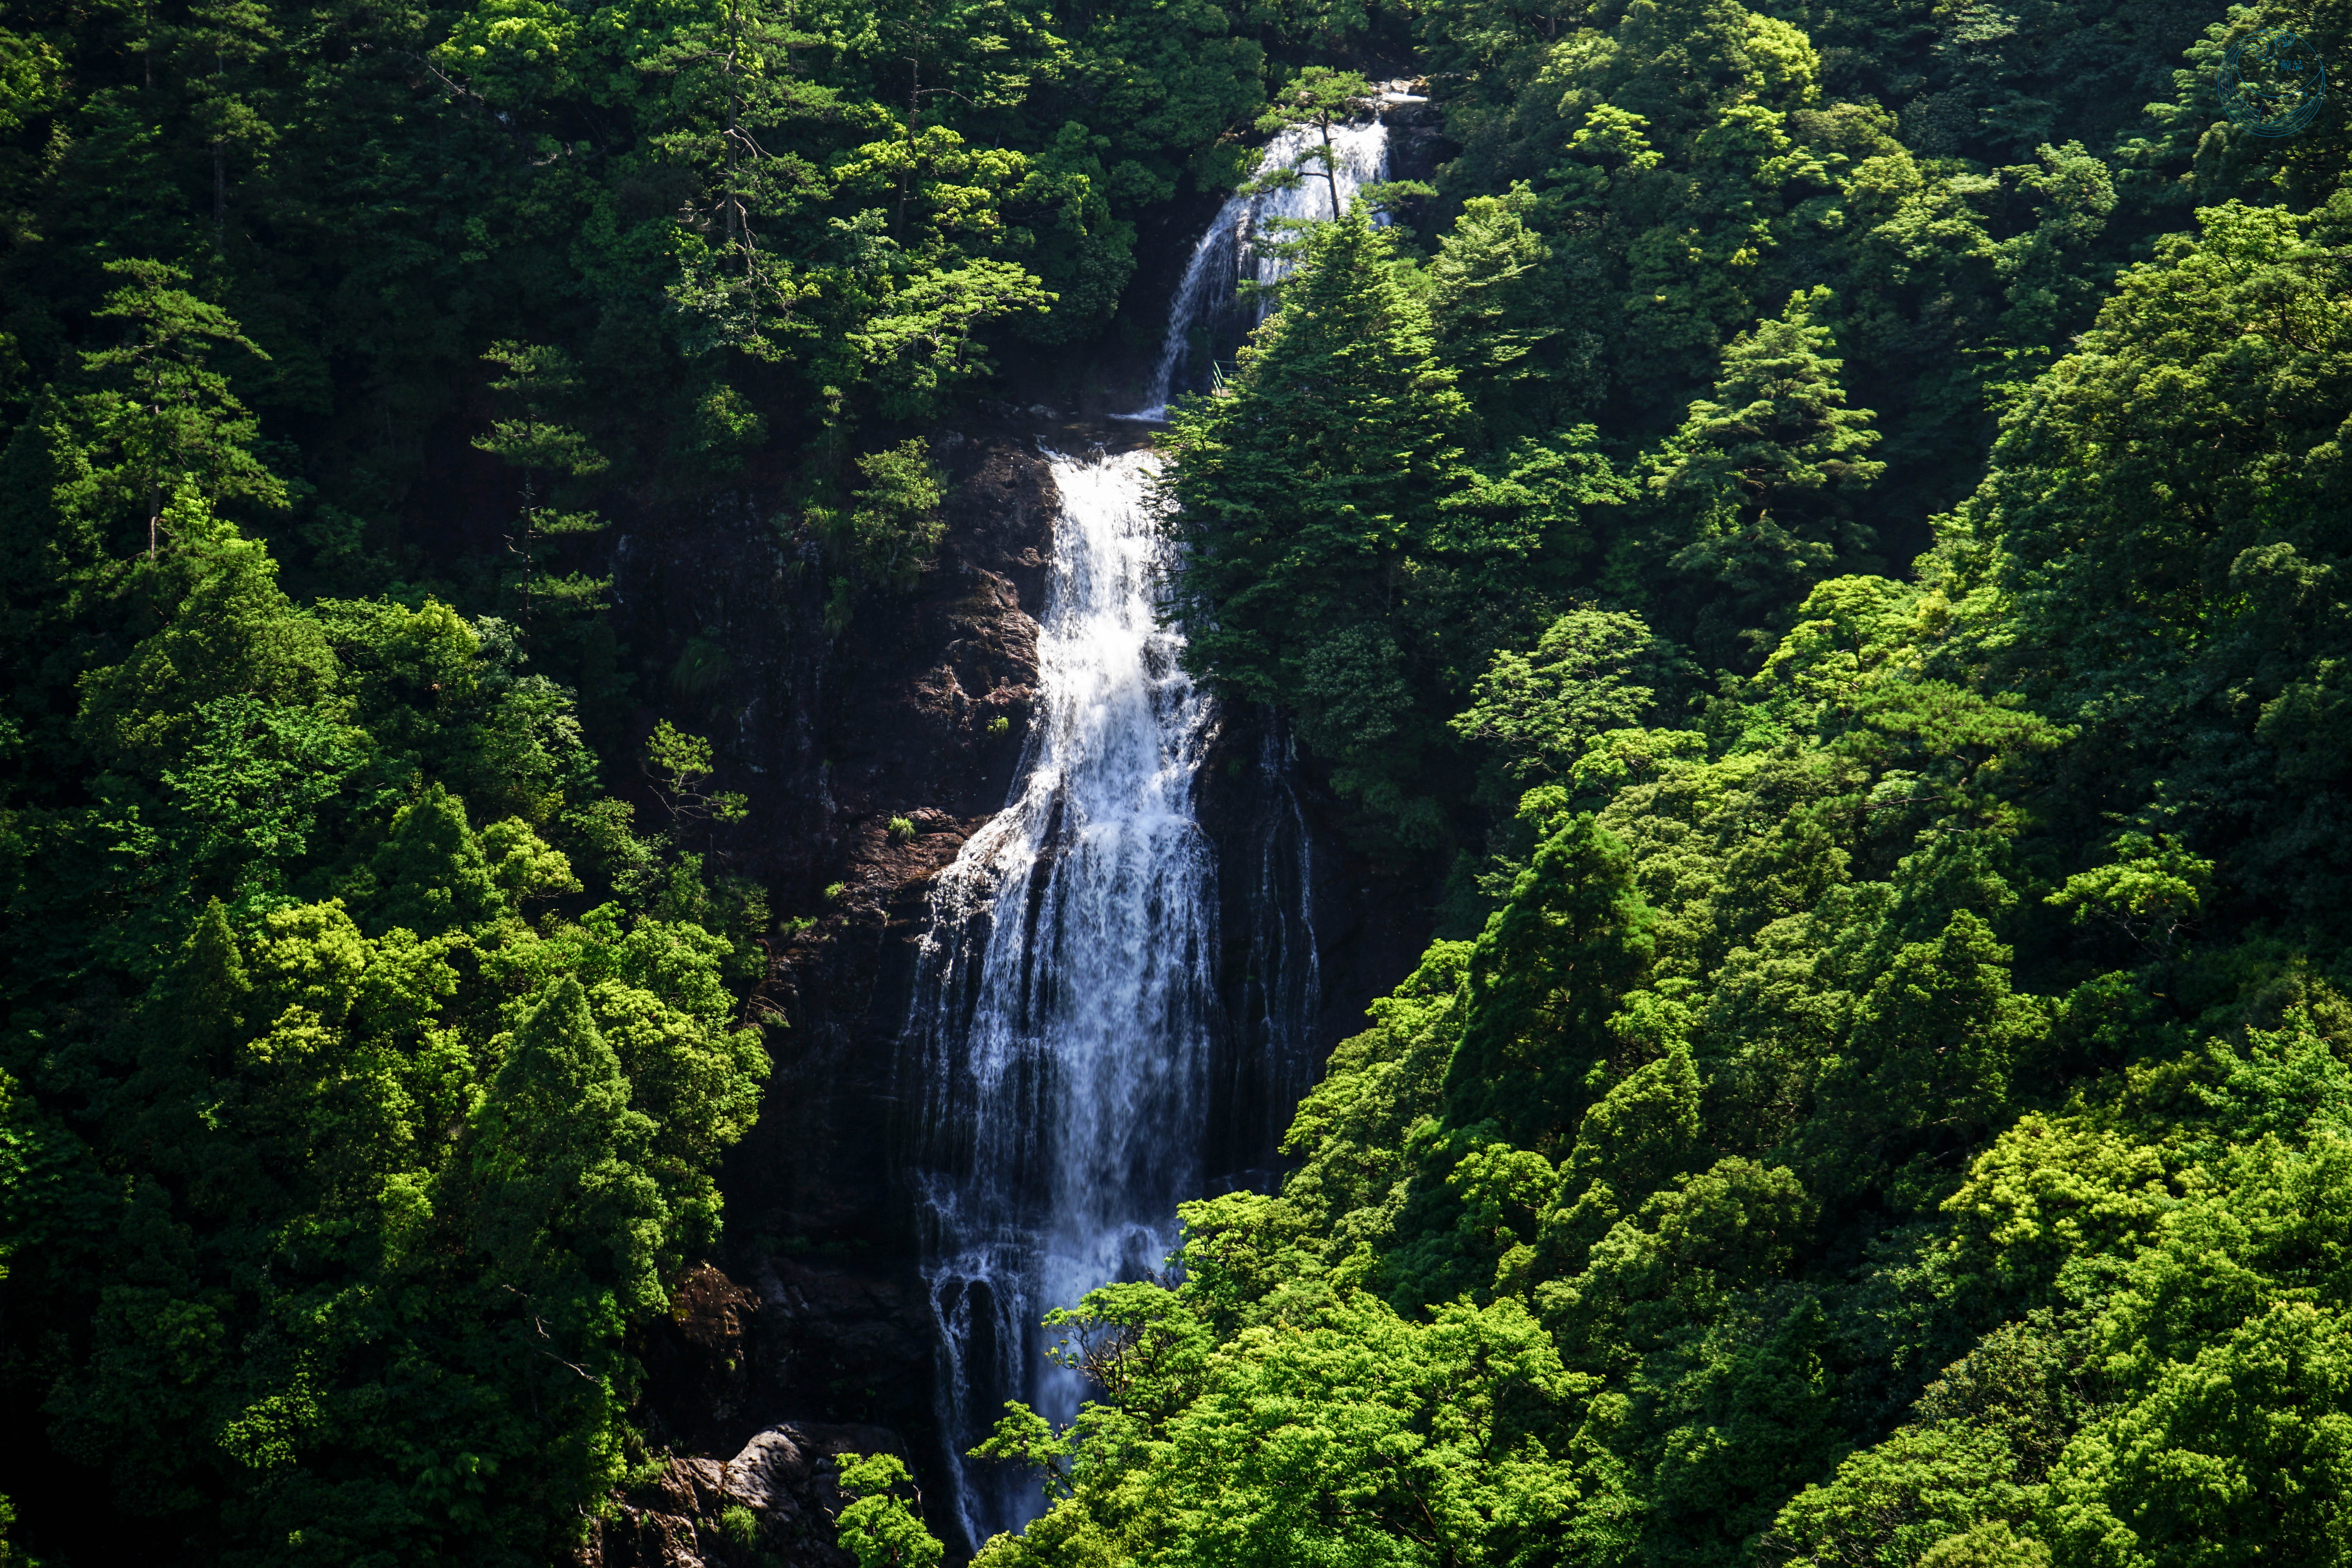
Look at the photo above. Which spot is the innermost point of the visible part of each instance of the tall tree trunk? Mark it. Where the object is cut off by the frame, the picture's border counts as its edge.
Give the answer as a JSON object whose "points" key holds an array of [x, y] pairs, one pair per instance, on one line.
{"points": [[1331, 169], [914, 119]]}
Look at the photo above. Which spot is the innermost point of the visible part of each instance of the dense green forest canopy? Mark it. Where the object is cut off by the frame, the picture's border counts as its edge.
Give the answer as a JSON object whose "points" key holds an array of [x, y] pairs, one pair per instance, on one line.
{"points": [[367, 1059], [1885, 1096], [1817, 524]]}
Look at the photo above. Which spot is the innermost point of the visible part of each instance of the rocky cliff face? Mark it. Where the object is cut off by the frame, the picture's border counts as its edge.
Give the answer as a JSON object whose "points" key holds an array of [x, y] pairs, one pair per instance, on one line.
{"points": [[813, 1323]]}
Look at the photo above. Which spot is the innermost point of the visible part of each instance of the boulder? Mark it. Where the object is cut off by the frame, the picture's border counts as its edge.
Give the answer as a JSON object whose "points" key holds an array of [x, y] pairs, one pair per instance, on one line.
{"points": [[785, 1478]]}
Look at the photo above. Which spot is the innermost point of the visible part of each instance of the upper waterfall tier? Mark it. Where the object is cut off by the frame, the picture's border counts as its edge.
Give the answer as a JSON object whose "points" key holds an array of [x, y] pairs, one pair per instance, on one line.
{"points": [[1236, 243]]}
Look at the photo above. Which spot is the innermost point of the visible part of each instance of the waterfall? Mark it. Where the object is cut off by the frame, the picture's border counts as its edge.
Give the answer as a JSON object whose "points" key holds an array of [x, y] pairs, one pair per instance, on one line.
{"points": [[1066, 1004], [1075, 1076], [1281, 987], [1235, 242]]}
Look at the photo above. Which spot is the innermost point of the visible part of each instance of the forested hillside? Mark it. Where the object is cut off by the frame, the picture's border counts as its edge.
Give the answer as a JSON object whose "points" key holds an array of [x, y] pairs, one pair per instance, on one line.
{"points": [[1810, 539], [377, 1005], [1884, 1098]]}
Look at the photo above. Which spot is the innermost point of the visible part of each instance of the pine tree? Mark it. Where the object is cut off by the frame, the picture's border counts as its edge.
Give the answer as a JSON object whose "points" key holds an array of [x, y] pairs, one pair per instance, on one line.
{"points": [[539, 381], [1317, 98], [160, 418]]}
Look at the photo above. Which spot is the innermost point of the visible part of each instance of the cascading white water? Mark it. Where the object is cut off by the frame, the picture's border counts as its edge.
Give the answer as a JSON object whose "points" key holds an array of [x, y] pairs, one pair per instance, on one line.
{"points": [[1064, 1028], [1237, 241], [1065, 999]]}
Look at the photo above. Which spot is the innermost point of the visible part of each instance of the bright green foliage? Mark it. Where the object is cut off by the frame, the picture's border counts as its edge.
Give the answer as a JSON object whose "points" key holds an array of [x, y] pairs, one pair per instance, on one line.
{"points": [[431, 872], [878, 1527], [1276, 492], [163, 423], [1305, 497], [255, 263], [1909, 1094], [2150, 896], [1783, 278], [1777, 428], [1591, 672], [889, 533], [1350, 1128], [680, 764], [231, 635], [895, 525], [1928, 1059], [347, 1201], [1334, 1430], [1891, 1108], [451, 1251], [1994, 1545], [1390, 1478], [372, 1286], [2213, 570]]}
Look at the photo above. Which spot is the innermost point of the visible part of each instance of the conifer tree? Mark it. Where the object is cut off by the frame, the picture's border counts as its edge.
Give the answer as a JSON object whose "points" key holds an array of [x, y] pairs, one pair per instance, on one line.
{"points": [[1306, 494], [432, 872], [1317, 98], [1592, 671], [161, 417], [1764, 472], [1301, 492], [1548, 972], [1776, 434], [538, 382], [217, 50], [1501, 313]]}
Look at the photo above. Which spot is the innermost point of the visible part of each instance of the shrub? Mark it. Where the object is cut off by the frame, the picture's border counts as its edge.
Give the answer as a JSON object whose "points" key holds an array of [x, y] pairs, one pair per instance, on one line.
{"points": [[879, 1527], [893, 527]]}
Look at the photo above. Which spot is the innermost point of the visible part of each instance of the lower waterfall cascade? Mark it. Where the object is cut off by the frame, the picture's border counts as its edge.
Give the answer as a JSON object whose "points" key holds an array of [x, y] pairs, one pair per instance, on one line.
{"points": [[1065, 992]]}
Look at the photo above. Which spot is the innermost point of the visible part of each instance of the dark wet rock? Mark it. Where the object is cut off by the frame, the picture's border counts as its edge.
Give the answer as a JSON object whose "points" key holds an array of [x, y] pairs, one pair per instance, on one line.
{"points": [[917, 710], [845, 1340], [696, 1360]]}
